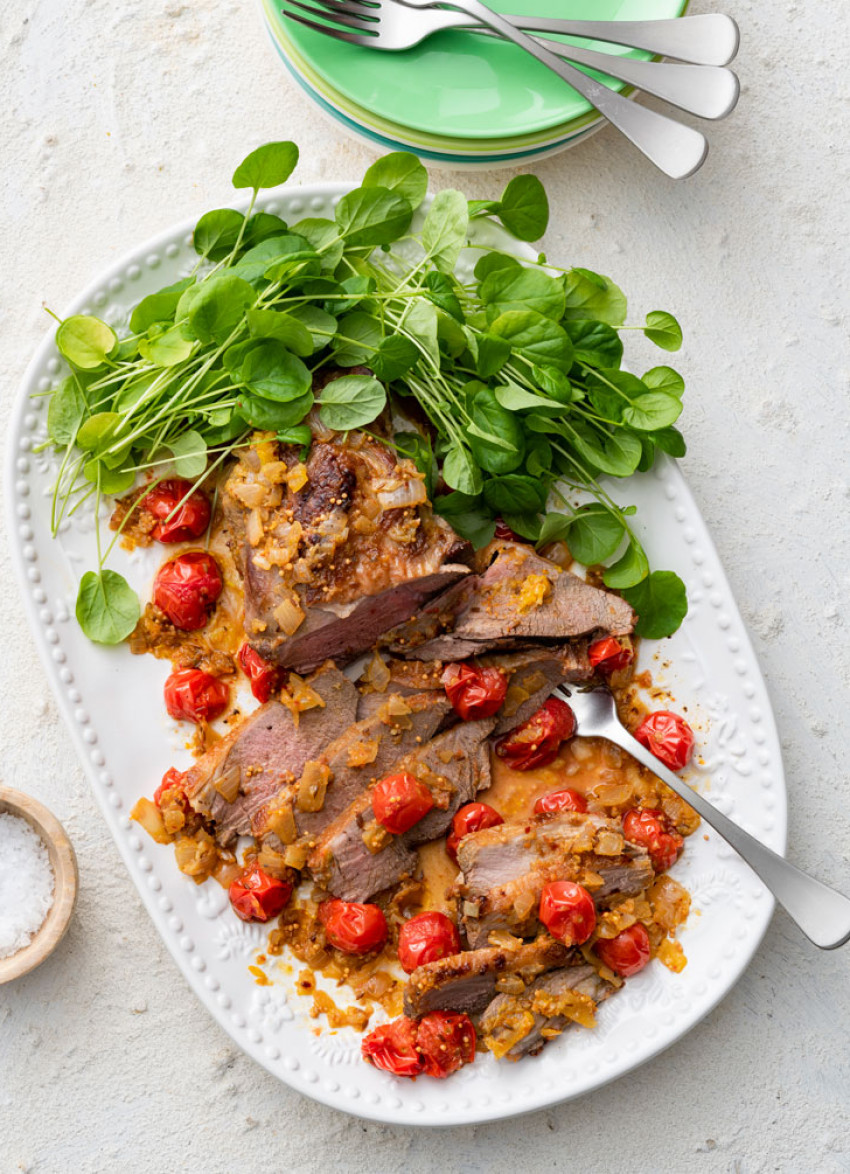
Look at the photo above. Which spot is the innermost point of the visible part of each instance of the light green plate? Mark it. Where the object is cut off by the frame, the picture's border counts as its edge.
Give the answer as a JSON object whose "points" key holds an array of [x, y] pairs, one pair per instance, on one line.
{"points": [[458, 84]]}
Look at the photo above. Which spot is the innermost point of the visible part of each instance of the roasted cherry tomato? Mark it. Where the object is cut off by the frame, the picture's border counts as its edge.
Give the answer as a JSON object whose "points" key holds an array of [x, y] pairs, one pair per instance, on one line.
{"points": [[566, 800], [399, 801], [650, 829], [504, 532], [265, 678], [392, 1047], [472, 817], [191, 518], [425, 938], [474, 692], [537, 741], [446, 1041], [186, 587], [256, 896], [668, 737], [353, 928], [173, 784], [609, 654], [194, 696], [627, 953], [568, 912]]}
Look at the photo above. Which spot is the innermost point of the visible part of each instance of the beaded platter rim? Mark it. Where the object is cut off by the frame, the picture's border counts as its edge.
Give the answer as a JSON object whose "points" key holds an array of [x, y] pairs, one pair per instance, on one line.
{"points": [[720, 680]]}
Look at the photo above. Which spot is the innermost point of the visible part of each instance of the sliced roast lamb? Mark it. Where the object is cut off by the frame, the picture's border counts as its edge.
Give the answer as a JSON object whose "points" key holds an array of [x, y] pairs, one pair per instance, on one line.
{"points": [[517, 1025], [234, 782], [356, 858], [520, 600], [470, 981], [505, 868], [336, 550]]}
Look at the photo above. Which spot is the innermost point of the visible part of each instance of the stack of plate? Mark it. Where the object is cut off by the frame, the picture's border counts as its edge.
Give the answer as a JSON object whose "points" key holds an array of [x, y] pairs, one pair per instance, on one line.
{"points": [[458, 99]]}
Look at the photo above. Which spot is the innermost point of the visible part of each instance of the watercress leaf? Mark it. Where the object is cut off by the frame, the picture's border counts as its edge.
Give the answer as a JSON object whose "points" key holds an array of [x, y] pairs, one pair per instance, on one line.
{"points": [[611, 391], [491, 354], [190, 454], [554, 528], [523, 289], [401, 172], [260, 227], [321, 325], [234, 356], [107, 607], [651, 411], [293, 334], [271, 371], [67, 409], [441, 289], [445, 228], [298, 434], [516, 399], [525, 525], [167, 349], [538, 339], [491, 262], [358, 288], [482, 207], [98, 432], [591, 295], [467, 516], [217, 232], [324, 236], [253, 263], [296, 258], [417, 448], [273, 416], [497, 439], [594, 534], [538, 458], [85, 342], [420, 323], [460, 470], [664, 379], [450, 333], [628, 570], [131, 392], [661, 602], [159, 306], [671, 441], [647, 454], [358, 339], [351, 402], [555, 384], [524, 208], [594, 343], [373, 216], [110, 480], [394, 357], [663, 329], [231, 429], [615, 453], [515, 493], [219, 306], [267, 166]]}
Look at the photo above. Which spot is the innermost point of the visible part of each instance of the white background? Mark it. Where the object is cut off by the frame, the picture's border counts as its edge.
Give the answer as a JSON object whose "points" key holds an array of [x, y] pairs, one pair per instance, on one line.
{"points": [[119, 119]]}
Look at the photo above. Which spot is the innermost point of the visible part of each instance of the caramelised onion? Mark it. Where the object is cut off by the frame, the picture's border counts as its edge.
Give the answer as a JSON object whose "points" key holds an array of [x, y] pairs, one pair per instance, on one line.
{"points": [[289, 616], [393, 494], [148, 815], [377, 673]]}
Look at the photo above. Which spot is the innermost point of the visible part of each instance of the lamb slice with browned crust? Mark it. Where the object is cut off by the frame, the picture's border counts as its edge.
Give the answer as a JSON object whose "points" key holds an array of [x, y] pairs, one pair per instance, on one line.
{"points": [[522, 1023], [356, 857], [404, 677], [233, 783], [470, 981], [334, 550], [533, 675], [504, 869]]}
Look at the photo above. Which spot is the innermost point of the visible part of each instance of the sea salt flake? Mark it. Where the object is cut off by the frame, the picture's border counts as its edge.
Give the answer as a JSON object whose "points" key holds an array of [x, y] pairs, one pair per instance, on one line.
{"points": [[26, 884]]}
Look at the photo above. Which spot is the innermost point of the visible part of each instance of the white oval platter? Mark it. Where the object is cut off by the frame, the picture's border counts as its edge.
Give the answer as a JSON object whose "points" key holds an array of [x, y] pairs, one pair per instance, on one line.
{"points": [[112, 703]]}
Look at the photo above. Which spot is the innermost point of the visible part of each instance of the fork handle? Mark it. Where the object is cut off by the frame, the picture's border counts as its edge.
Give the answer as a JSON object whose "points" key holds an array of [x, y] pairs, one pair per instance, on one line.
{"points": [[822, 913], [675, 149]]}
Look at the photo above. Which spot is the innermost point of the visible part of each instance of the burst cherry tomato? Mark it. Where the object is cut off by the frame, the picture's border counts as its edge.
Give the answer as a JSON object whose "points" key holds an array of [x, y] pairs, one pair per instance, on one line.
{"points": [[472, 817], [668, 737], [399, 801], [474, 692], [353, 928], [173, 783], [568, 912], [256, 896], [392, 1047], [194, 696], [186, 587], [425, 938], [536, 742], [265, 678], [566, 800], [609, 654], [628, 952], [446, 1041], [650, 829], [191, 518], [504, 532]]}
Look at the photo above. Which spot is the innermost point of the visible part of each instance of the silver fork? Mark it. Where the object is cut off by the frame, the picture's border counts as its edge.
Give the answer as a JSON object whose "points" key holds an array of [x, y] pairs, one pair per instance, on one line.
{"points": [[821, 913], [704, 90], [675, 149]]}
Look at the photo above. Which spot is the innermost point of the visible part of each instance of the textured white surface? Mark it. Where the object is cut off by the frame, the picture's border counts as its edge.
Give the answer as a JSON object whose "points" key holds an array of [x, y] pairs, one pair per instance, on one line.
{"points": [[120, 118]]}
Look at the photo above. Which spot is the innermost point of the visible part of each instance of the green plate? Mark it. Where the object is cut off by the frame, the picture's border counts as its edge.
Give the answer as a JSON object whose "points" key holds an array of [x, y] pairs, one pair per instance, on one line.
{"points": [[458, 84]]}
